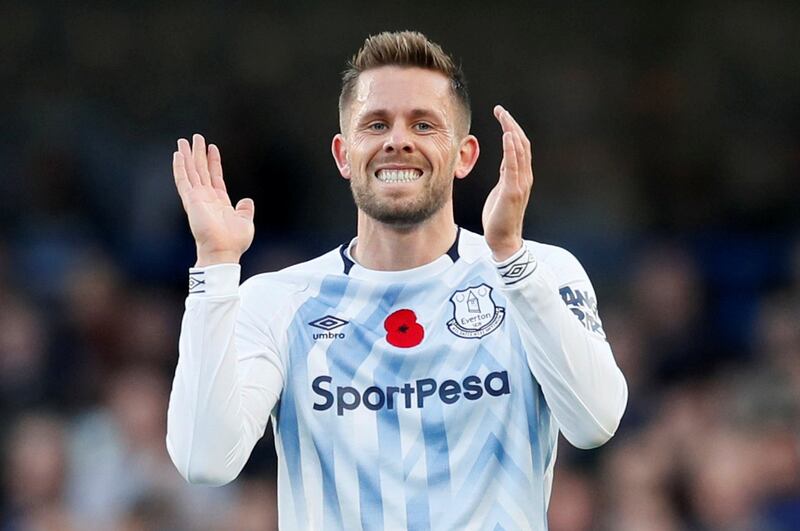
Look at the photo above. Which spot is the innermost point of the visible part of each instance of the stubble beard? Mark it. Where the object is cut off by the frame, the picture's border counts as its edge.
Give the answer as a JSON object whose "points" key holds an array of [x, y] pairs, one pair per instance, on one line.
{"points": [[400, 213]]}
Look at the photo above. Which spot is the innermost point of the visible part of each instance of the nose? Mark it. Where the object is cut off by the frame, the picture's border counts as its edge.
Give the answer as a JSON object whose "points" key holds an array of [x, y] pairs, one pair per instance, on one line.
{"points": [[398, 141]]}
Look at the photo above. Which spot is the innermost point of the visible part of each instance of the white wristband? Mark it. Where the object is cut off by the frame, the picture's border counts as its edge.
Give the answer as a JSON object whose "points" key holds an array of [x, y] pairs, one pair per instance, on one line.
{"points": [[516, 267], [214, 281]]}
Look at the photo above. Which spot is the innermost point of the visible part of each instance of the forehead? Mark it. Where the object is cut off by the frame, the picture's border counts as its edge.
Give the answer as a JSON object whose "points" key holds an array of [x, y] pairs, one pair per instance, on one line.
{"points": [[398, 89]]}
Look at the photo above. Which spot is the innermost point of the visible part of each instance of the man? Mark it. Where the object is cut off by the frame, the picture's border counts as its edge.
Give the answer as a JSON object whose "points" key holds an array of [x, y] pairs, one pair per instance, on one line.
{"points": [[418, 376]]}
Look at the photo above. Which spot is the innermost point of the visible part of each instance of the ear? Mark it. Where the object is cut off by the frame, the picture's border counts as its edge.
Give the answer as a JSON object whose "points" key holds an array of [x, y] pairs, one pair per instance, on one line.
{"points": [[339, 151], [467, 156]]}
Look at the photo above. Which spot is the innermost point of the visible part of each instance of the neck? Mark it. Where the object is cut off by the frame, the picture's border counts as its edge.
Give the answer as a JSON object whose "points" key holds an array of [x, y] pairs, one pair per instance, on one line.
{"points": [[388, 248]]}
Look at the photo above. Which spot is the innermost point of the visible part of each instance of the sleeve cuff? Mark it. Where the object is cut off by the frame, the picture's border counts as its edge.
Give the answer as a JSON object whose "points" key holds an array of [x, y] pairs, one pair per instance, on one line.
{"points": [[214, 281], [516, 267]]}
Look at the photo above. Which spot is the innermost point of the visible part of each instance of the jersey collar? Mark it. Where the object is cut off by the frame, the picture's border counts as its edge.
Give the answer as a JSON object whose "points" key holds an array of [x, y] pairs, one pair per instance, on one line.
{"points": [[355, 270]]}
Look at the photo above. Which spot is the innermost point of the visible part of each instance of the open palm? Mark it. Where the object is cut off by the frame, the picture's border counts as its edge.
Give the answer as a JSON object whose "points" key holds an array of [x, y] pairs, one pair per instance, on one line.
{"points": [[221, 231], [504, 210]]}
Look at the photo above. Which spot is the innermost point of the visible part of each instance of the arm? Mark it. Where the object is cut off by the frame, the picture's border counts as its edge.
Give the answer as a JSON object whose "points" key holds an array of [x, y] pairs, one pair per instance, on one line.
{"points": [[575, 368], [565, 346], [229, 374]]}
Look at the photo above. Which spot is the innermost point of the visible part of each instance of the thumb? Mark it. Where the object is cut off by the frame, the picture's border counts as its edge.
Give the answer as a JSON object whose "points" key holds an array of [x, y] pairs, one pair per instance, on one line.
{"points": [[246, 208]]}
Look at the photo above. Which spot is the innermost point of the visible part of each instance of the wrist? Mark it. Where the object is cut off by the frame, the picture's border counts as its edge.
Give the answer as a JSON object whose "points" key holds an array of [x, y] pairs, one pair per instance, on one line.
{"points": [[205, 259], [502, 252]]}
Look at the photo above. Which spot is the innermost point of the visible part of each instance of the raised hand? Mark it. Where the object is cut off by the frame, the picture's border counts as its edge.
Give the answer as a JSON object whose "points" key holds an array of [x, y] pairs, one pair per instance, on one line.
{"points": [[222, 233], [504, 210]]}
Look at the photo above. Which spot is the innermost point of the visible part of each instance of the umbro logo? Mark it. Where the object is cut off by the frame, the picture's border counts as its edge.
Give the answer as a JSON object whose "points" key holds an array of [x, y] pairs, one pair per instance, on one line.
{"points": [[329, 323], [197, 284]]}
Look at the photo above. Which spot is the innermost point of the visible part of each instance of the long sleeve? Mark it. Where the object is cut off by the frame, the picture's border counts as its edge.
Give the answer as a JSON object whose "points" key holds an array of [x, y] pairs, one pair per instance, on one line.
{"points": [[228, 378], [554, 306]]}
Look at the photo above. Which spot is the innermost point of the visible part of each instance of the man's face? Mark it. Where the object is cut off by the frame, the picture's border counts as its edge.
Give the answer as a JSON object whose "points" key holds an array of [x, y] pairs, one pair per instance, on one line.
{"points": [[401, 145]]}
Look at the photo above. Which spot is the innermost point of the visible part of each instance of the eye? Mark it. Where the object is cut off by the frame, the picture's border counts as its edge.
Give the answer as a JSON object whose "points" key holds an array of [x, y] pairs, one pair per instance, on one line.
{"points": [[377, 126], [423, 126]]}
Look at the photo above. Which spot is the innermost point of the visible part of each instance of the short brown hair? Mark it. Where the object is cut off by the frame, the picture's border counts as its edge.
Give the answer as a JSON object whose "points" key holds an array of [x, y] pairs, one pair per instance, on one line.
{"points": [[404, 48]]}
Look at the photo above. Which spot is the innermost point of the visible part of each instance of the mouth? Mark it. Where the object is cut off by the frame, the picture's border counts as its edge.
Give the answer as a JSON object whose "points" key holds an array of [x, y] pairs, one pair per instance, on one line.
{"points": [[398, 175]]}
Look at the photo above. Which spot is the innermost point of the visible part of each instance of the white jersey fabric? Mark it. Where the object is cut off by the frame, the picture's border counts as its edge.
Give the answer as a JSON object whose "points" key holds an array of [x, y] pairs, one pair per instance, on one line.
{"points": [[429, 398]]}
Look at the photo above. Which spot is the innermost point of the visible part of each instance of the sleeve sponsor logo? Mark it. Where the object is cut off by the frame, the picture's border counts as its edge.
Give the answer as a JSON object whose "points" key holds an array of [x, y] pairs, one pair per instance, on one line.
{"points": [[584, 306]]}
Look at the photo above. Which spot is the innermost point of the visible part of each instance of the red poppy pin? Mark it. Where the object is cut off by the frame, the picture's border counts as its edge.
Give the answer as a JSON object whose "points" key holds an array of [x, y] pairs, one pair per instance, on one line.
{"points": [[403, 330]]}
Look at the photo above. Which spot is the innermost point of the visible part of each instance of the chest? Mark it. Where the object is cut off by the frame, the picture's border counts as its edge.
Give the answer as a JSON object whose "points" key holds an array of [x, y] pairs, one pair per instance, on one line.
{"points": [[442, 350]]}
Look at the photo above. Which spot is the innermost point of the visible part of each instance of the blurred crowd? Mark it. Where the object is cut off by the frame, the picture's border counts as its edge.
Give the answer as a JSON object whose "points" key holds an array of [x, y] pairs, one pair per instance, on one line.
{"points": [[710, 440], [667, 159], [711, 437], [84, 381]]}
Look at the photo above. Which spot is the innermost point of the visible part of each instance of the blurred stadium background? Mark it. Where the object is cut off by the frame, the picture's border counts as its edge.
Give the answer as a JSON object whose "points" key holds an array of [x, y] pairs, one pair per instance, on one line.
{"points": [[667, 154]]}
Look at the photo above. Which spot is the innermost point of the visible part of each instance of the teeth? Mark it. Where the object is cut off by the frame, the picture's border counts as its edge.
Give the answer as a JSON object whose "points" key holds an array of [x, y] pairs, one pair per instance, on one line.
{"points": [[398, 176]]}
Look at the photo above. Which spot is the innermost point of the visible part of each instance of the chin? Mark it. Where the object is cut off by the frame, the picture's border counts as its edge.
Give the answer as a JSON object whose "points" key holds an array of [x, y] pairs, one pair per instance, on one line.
{"points": [[404, 212], [400, 218]]}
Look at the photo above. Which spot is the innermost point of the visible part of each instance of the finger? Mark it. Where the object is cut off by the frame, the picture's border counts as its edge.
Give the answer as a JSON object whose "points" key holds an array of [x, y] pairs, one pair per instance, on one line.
{"points": [[525, 142], [508, 176], [498, 110], [186, 151], [200, 159], [525, 157], [522, 143], [529, 163], [215, 167], [508, 121], [510, 164], [215, 171], [503, 117], [246, 208], [522, 178], [516, 125], [181, 178]]}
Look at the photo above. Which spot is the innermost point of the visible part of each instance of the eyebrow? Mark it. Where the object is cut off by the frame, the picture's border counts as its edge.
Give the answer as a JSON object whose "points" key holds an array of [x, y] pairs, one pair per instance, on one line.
{"points": [[415, 113]]}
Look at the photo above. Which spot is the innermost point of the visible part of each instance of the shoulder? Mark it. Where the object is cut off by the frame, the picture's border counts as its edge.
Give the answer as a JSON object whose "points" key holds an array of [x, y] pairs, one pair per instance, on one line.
{"points": [[561, 262], [472, 247], [291, 282]]}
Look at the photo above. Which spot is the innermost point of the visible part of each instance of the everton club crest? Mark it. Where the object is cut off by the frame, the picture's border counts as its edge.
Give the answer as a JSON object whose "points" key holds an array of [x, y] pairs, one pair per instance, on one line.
{"points": [[474, 312]]}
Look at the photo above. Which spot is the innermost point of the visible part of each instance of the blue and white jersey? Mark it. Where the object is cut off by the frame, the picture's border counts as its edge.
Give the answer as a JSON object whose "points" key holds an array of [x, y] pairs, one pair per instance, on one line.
{"points": [[428, 398]]}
